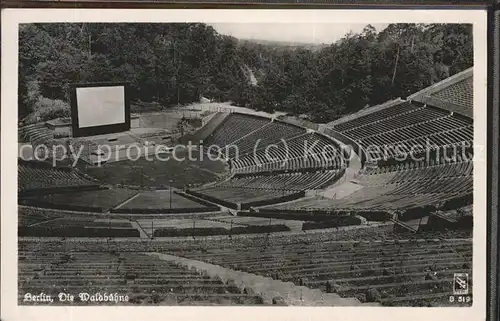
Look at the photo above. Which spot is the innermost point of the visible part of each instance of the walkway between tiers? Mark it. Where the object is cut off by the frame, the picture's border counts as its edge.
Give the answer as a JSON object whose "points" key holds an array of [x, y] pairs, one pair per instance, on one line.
{"points": [[265, 287], [346, 184], [142, 232]]}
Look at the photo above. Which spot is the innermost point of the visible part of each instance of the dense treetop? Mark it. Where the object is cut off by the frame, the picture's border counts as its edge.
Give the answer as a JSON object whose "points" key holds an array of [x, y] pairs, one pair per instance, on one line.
{"points": [[170, 64]]}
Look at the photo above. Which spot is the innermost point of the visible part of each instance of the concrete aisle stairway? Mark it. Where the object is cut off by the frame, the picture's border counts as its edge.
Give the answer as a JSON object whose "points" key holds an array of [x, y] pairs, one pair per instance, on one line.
{"points": [[346, 185]]}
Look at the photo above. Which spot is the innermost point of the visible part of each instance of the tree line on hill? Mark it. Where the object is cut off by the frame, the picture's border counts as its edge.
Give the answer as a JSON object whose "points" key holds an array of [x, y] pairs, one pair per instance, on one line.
{"points": [[171, 64]]}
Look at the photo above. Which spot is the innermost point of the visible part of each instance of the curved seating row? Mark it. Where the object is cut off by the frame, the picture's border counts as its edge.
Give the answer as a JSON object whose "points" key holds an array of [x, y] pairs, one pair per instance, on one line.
{"points": [[417, 172], [406, 128], [383, 114], [283, 159], [306, 151], [431, 128], [233, 128], [58, 148], [32, 176], [390, 273], [459, 94], [263, 137], [400, 189], [142, 278], [355, 262], [289, 181], [35, 133]]}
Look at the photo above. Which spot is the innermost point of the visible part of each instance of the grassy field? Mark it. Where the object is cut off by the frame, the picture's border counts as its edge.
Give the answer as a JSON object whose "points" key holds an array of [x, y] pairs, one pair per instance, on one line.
{"points": [[160, 173]]}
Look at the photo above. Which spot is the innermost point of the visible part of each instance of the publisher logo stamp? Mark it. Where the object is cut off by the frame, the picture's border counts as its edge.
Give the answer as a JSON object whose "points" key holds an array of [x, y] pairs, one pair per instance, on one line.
{"points": [[460, 283]]}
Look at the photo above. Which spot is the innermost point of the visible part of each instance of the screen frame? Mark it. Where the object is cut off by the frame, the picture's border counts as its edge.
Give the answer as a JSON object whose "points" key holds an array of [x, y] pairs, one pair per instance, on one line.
{"points": [[101, 129]]}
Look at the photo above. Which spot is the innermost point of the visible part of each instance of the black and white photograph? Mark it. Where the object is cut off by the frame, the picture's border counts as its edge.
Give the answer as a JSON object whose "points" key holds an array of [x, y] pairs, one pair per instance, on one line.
{"points": [[326, 160]]}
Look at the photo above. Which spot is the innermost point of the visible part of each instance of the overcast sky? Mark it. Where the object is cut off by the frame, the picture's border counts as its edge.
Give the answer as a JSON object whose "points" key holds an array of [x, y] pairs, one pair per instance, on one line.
{"points": [[307, 32]]}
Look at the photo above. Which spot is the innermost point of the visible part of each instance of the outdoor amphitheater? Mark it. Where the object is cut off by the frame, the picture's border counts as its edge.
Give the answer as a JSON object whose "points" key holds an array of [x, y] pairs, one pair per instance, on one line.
{"points": [[373, 209]]}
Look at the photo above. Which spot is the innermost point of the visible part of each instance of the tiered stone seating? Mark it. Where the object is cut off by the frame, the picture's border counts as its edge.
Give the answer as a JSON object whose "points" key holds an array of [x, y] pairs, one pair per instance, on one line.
{"points": [[413, 273], [400, 188], [376, 116], [58, 148], [454, 93], [266, 189], [292, 181], [378, 232], [43, 138], [412, 116], [304, 161], [460, 93], [369, 263], [36, 176], [214, 121], [234, 127], [141, 278], [243, 195], [35, 133], [366, 261], [420, 137], [405, 128], [307, 151], [264, 136], [433, 129]]}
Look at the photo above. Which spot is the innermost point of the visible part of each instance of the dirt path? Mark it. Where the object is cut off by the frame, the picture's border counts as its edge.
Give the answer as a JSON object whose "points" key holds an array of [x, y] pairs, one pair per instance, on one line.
{"points": [[266, 287]]}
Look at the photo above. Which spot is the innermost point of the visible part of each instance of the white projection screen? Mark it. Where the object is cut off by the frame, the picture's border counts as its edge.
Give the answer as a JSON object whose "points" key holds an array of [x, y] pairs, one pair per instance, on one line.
{"points": [[99, 108]]}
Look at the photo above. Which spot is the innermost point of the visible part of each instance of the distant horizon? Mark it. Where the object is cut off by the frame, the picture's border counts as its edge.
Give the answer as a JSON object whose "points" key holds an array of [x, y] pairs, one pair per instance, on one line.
{"points": [[311, 33], [285, 42]]}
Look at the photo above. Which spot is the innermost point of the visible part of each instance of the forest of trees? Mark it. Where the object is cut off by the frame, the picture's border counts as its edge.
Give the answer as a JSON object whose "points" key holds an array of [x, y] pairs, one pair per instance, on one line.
{"points": [[170, 64]]}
